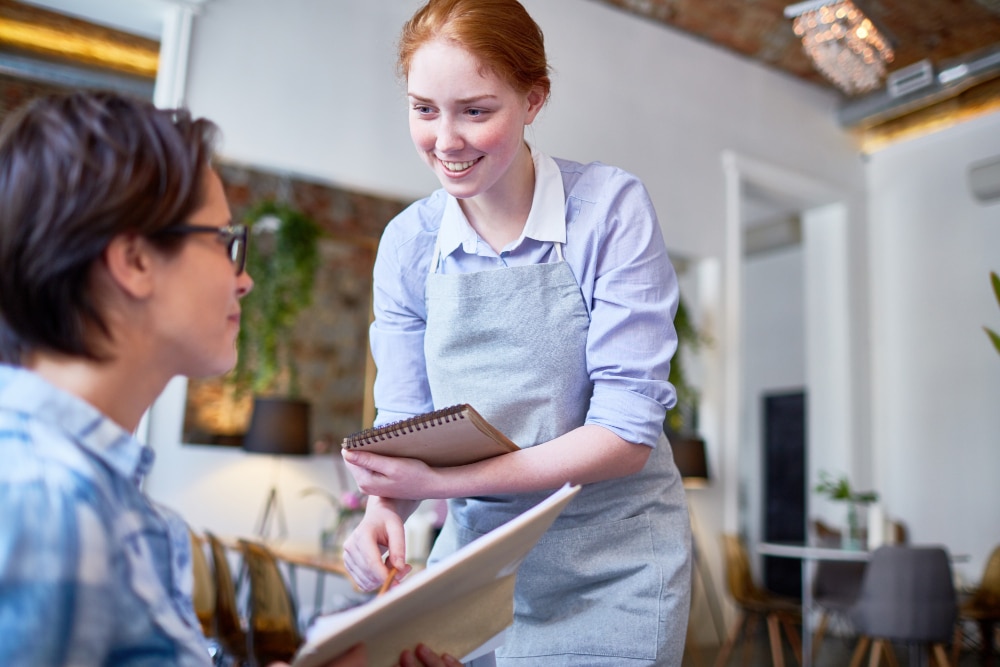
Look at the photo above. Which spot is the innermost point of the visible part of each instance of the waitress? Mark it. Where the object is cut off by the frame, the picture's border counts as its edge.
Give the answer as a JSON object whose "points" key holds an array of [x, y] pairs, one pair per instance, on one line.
{"points": [[540, 292]]}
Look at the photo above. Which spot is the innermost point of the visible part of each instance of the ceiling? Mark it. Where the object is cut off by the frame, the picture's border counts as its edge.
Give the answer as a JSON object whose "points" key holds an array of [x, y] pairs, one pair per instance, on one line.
{"points": [[939, 30]]}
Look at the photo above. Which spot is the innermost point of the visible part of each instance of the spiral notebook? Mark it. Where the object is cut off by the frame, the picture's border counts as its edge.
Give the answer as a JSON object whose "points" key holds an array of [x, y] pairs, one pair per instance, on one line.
{"points": [[447, 437]]}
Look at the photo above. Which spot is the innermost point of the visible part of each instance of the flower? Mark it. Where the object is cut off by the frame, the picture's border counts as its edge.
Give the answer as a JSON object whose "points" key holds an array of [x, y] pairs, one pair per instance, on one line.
{"points": [[352, 501], [347, 512]]}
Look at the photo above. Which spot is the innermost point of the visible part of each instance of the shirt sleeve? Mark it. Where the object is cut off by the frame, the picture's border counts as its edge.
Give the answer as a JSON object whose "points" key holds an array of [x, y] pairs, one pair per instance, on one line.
{"points": [[56, 603], [397, 333], [633, 294]]}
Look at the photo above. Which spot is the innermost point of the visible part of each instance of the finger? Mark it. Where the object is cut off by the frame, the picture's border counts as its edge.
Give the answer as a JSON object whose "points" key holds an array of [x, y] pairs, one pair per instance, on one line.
{"points": [[406, 659], [429, 658], [397, 548], [363, 560], [365, 460], [367, 576]]}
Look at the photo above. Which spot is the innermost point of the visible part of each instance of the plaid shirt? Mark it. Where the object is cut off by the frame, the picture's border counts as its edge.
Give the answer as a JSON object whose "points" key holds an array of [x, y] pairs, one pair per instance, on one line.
{"points": [[91, 572]]}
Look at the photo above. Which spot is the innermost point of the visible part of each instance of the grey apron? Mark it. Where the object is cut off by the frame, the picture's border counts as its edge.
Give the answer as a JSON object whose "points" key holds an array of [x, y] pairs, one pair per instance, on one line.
{"points": [[609, 583]]}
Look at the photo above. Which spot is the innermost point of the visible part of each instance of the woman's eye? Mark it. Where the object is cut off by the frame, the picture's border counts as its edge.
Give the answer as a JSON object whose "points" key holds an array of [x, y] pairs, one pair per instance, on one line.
{"points": [[475, 113], [422, 109]]}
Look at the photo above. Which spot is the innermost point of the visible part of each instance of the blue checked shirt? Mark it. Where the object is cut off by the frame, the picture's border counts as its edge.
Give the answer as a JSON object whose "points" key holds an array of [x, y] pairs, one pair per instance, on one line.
{"points": [[91, 572]]}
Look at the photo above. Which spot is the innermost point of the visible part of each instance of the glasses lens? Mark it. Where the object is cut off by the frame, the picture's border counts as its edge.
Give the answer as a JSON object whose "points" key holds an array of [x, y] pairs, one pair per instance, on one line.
{"points": [[238, 248]]}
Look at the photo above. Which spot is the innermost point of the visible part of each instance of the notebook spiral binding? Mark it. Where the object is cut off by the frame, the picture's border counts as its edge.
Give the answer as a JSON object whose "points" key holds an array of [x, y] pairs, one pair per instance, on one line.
{"points": [[397, 428]]}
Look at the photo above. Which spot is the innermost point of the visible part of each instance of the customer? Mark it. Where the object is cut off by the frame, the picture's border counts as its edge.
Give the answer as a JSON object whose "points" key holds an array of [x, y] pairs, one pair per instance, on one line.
{"points": [[540, 292], [120, 268]]}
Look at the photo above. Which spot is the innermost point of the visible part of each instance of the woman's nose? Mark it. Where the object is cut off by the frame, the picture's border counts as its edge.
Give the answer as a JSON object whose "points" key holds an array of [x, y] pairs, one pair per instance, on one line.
{"points": [[244, 284], [449, 139]]}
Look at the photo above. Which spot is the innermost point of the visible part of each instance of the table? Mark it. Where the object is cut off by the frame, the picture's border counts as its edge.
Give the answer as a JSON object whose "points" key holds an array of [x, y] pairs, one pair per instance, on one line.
{"points": [[322, 563], [810, 555]]}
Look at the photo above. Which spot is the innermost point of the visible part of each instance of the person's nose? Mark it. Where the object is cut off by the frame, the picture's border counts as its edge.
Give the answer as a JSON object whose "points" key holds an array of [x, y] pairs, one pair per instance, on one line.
{"points": [[449, 137], [244, 284]]}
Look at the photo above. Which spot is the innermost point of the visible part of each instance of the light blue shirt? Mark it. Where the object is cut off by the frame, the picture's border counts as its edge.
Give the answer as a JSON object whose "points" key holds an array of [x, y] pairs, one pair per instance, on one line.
{"points": [[614, 247], [91, 572]]}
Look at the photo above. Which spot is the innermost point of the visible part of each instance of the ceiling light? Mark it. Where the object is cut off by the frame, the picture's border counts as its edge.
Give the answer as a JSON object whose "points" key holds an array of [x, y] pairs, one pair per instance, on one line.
{"points": [[843, 43]]}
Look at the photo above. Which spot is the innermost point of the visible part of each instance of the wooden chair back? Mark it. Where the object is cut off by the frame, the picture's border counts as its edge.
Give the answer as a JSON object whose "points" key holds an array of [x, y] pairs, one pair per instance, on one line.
{"points": [[229, 629], [274, 632], [203, 594]]}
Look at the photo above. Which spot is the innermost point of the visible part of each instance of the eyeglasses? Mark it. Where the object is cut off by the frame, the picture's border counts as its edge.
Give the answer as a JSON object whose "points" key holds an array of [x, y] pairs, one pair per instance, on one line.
{"points": [[234, 237]]}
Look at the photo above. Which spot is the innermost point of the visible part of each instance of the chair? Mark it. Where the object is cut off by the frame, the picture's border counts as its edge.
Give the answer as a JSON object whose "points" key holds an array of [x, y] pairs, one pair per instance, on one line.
{"points": [[835, 585], [754, 603], [228, 624], [907, 596], [983, 608], [274, 632], [203, 594]]}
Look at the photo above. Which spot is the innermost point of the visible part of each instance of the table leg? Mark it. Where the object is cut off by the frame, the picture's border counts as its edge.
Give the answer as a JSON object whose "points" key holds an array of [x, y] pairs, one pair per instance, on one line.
{"points": [[318, 600], [807, 603]]}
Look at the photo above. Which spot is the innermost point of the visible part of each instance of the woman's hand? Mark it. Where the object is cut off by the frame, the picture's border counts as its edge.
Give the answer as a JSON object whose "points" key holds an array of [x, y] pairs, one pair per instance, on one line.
{"points": [[424, 657], [393, 476], [380, 530]]}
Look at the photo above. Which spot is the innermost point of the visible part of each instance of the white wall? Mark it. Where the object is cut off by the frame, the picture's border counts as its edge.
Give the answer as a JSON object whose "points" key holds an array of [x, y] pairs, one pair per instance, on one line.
{"points": [[936, 377]]}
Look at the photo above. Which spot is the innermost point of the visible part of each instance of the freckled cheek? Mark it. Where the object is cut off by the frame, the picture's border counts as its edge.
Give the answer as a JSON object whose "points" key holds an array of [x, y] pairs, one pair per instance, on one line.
{"points": [[492, 138]]}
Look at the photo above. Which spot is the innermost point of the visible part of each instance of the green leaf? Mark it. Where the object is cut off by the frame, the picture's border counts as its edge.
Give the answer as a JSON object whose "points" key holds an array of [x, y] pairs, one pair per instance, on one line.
{"points": [[283, 264], [993, 337]]}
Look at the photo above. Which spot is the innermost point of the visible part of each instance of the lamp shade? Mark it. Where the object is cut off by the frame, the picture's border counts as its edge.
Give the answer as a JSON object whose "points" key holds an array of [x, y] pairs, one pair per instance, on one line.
{"points": [[278, 426], [689, 455]]}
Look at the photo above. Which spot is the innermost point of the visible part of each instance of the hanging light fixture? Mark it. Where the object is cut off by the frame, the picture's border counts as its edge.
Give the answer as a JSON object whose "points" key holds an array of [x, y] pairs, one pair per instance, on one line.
{"points": [[845, 45]]}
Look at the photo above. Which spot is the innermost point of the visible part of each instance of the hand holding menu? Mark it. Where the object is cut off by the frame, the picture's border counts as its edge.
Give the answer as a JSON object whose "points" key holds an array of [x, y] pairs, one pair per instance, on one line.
{"points": [[454, 606], [447, 437]]}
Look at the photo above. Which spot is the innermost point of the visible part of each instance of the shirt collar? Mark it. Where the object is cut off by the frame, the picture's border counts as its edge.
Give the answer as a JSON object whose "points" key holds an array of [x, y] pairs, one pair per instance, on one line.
{"points": [[546, 219], [26, 392]]}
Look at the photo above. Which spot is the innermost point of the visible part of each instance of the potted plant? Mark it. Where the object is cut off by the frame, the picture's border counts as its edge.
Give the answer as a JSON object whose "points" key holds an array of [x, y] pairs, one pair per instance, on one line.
{"points": [[682, 419], [994, 337], [839, 489], [282, 258]]}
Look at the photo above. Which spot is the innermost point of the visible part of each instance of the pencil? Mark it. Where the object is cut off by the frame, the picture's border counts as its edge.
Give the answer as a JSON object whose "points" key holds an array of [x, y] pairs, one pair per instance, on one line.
{"points": [[388, 581]]}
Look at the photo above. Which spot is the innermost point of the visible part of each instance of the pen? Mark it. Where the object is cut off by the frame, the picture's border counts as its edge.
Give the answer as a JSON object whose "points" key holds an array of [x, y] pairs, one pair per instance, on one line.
{"points": [[388, 581]]}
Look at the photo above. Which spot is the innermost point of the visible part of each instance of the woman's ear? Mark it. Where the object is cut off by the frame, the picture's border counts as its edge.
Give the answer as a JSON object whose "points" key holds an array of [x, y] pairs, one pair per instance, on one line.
{"points": [[536, 100], [129, 262]]}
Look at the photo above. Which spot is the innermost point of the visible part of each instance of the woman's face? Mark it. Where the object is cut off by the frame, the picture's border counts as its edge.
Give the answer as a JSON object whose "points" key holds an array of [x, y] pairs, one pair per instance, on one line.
{"points": [[199, 303], [466, 123]]}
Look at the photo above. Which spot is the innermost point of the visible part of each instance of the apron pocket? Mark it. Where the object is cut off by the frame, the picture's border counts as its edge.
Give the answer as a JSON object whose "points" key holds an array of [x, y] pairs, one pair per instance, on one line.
{"points": [[589, 590]]}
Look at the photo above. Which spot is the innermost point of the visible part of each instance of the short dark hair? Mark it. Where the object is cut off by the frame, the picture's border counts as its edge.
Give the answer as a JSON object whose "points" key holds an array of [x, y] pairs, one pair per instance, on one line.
{"points": [[77, 170]]}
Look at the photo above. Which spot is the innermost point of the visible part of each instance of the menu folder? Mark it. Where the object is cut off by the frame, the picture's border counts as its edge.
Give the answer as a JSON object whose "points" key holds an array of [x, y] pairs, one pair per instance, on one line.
{"points": [[454, 606]]}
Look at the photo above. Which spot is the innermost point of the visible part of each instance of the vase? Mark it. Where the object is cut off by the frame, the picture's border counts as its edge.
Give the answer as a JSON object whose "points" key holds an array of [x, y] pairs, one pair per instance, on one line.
{"points": [[853, 537], [332, 539]]}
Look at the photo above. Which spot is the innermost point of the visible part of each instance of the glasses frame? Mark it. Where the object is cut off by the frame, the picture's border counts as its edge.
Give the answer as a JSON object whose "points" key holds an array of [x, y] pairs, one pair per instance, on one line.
{"points": [[234, 237]]}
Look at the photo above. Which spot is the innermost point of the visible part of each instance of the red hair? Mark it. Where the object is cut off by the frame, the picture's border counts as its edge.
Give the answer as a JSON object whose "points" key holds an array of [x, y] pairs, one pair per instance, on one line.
{"points": [[499, 33]]}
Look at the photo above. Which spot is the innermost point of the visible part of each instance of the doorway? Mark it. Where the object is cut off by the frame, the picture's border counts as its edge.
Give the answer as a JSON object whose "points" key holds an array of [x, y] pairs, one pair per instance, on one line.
{"points": [[785, 486], [825, 340]]}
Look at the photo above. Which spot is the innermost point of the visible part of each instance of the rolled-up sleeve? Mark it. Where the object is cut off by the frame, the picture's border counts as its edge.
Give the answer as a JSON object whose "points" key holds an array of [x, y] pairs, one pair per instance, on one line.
{"points": [[397, 334], [632, 291]]}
